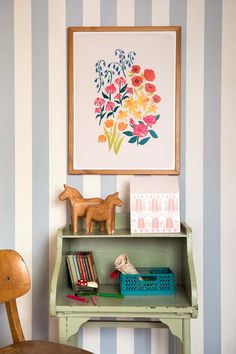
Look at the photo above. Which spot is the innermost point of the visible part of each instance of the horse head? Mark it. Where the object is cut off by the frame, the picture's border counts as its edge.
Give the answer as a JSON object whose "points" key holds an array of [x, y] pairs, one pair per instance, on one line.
{"points": [[113, 199], [69, 193]]}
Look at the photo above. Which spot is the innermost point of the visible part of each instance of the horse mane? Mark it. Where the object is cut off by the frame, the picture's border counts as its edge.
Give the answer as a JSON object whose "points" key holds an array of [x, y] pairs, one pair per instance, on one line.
{"points": [[75, 192]]}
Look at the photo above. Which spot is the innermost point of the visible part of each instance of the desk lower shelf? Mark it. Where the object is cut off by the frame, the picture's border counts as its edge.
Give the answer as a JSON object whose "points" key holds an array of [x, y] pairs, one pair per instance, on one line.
{"points": [[130, 304]]}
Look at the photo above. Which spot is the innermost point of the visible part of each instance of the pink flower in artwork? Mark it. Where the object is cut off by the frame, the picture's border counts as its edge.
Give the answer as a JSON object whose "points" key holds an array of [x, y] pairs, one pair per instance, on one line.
{"points": [[118, 96], [150, 120], [110, 89], [98, 110], [110, 106], [130, 90], [131, 121], [140, 130], [120, 81], [99, 102]]}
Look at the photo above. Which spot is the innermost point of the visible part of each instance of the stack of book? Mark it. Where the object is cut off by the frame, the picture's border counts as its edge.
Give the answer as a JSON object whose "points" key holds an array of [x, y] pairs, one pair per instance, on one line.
{"points": [[82, 271]]}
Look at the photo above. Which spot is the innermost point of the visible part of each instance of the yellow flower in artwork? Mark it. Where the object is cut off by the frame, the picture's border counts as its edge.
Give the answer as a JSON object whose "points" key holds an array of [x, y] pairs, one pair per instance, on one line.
{"points": [[143, 100], [137, 114], [131, 104], [152, 108], [122, 114]]}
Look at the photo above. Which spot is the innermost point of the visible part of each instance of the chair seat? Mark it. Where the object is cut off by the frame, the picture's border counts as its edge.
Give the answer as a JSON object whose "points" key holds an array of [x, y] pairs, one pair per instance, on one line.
{"points": [[38, 347]]}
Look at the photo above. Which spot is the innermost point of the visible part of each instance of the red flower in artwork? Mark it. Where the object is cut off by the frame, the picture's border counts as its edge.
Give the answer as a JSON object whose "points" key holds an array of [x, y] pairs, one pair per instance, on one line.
{"points": [[99, 102], [110, 89], [149, 75], [150, 120], [135, 69], [137, 80], [120, 81], [129, 90], [150, 88], [156, 98], [110, 106], [140, 130]]}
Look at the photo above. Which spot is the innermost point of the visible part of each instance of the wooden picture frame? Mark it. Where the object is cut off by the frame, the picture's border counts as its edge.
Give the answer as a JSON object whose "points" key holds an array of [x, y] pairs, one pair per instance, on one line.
{"points": [[124, 100]]}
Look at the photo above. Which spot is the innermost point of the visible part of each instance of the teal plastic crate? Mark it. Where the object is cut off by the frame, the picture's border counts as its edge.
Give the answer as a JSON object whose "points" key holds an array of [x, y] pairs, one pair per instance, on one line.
{"points": [[149, 281]]}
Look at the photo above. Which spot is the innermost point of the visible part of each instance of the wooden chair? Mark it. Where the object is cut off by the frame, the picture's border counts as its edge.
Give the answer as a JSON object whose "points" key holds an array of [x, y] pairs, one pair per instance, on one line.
{"points": [[15, 282]]}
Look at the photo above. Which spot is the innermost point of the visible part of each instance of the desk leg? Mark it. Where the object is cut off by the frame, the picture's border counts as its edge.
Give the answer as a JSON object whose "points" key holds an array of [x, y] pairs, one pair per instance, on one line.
{"points": [[68, 327], [186, 337]]}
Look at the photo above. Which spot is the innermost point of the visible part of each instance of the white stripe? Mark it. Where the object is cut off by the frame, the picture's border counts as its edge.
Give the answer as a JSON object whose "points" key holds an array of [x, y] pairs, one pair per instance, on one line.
{"points": [[57, 124], [194, 150], [159, 341], [125, 12], [91, 12], [125, 17], [23, 147], [123, 186], [91, 186], [160, 12], [228, 177], [91, 339], [125, 340]]}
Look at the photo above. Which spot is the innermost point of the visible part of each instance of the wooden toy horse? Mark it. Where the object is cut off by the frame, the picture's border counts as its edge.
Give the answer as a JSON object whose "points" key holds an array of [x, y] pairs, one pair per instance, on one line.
{"points": [[104, 212], [78, 204]]}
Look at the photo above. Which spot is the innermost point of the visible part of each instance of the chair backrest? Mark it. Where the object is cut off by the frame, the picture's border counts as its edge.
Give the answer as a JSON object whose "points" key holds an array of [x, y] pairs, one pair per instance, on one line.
{"points": [[14, 282]]}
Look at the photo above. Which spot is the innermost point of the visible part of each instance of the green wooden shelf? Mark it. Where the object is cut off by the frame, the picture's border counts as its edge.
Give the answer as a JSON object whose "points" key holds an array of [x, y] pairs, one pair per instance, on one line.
{"points": [[144, 250]]}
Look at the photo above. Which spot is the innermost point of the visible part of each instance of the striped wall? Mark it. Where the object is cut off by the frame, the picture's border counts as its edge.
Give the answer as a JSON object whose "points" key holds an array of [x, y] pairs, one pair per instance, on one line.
{"points": [[33, 156]]}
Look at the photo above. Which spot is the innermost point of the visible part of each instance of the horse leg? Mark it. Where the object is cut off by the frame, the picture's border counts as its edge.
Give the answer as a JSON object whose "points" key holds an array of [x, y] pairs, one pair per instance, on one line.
{"points": [[88, 222], [109, 225], [113, 219], [74, 222]]}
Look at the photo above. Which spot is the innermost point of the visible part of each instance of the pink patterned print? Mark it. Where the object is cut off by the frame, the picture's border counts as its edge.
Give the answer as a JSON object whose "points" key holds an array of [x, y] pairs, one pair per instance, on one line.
{"points": [[169, 223], [141, 223], [155, 223]]}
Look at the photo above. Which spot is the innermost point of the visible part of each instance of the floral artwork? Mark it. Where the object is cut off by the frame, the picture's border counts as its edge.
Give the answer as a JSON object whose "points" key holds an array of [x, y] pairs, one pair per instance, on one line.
{"points": [[127, 102]]}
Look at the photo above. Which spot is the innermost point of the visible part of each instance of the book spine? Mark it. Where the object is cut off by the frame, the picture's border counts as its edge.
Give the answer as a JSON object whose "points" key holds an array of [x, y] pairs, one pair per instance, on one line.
{"points": [[93, 266], [73, 272], [93, 276], [82, 266], [69, 269], [88, 267], [76, 267]]}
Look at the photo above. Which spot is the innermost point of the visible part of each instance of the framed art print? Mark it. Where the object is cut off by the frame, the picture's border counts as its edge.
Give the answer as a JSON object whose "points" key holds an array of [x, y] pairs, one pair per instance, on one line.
{"points": [[124, 100]]}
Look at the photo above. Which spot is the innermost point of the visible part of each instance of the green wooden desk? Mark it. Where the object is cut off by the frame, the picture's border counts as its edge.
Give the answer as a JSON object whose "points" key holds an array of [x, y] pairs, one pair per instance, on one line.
{"points": [[144, 250]]}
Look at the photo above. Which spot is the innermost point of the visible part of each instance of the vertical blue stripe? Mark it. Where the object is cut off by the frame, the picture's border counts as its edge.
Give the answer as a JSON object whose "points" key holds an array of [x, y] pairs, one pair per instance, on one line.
{"points": [[108, 341], [108, 12], [40, 169], [74, 17], [7, 125], [172, 343], [74, 12], [108, 185], [108, 18], [211, 177], [7, 142], [178, 17], [143, 13], [142, 341]]}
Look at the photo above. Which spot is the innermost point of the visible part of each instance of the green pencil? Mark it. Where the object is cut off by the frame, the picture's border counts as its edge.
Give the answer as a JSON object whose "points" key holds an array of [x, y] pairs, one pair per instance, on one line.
{"points": [[110, 295]]}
